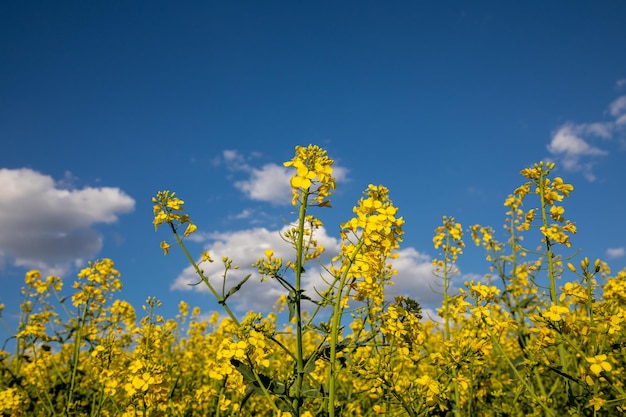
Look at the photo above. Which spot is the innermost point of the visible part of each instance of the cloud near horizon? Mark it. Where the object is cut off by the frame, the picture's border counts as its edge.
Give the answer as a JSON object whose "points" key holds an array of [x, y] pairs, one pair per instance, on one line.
{"points": [[414, 279], [47, 226], [571, 142]]}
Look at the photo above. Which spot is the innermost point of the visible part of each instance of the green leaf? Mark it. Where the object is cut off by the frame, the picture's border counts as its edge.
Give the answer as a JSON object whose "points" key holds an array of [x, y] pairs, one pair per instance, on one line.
{"points": [[237, 287], [272, 385], [291, 304]]}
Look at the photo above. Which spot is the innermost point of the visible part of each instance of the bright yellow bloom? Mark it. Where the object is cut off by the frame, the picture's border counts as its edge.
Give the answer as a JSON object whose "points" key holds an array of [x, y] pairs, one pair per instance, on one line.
{"points": [[166, 247], [168, 209], [190, 229], [555, 313], [562, 187], [484, 292], [597, 403], [556, 233], [11, 402], [313, 174], [32, 276], [599, 363], [206, 257], [540, 170], [556, 212], [96, 282]]}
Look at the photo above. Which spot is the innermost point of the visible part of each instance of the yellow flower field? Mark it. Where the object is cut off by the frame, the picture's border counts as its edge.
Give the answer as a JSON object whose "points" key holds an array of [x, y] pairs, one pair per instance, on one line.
{"points": [[541, 335]]}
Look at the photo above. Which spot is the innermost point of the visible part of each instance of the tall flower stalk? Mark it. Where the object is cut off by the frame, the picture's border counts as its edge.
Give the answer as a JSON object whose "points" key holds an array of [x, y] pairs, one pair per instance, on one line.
{"points": [[369, 240], [312, 185], [448, 237]]}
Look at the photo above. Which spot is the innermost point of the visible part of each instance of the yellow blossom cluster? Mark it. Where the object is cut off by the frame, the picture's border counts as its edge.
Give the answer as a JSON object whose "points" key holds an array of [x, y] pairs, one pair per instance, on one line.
{"points": [[96, 282], [168, 209], [449, 238], [314, 174], [368, 240], [551, 192]]}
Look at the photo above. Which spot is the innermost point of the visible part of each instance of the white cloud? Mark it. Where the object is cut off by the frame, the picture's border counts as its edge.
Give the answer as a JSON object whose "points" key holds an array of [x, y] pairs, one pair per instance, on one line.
{"points": [[567, 140], [430, 314], [44, 224], [57, 269], [340, 173], [618, 107], [572, 151], [244, 248], [244, 214], [234, 160], [614, 253], [571, 143], [618, 110], [415, 278], [270, 184]]}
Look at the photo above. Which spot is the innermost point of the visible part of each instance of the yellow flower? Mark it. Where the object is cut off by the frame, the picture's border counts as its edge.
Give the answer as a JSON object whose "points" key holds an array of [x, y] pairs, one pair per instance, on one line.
{"points": [[183, 308], [166, 247], [599, 363], [596, 403], [562, 187], [32, 276], [540, 170], [190, 229], [555, 313], [313, 174], [483, 292], [167, 209], [11, 402], [556, 212]]}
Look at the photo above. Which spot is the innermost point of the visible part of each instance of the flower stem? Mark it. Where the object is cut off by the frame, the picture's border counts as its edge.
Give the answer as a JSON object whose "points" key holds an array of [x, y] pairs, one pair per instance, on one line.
{"points": [[299, 268]]}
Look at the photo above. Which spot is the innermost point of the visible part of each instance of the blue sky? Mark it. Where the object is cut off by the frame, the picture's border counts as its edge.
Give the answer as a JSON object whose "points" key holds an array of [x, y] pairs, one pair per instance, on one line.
{"points": [[102, 104]]}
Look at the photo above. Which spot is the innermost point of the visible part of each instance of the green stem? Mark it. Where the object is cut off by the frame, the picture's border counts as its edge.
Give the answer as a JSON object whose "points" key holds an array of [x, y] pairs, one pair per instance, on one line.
{"points": [[221, 300], [299, 354], [549, 252], [20, 343], [204, 279], [47, 400], [446, 313], [589, 282], [520, 378], [552, 274], [79, 331], [446, 284], [334, 331]]}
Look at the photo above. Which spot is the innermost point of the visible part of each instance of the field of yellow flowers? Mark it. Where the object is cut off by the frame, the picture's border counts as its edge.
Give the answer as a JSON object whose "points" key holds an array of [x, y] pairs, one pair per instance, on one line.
{"points": [[504, 346]]}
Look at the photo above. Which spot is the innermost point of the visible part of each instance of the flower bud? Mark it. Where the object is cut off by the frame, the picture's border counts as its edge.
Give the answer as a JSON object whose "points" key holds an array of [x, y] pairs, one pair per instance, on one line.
{"points": [[584, 264]]}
